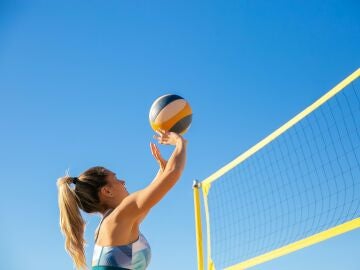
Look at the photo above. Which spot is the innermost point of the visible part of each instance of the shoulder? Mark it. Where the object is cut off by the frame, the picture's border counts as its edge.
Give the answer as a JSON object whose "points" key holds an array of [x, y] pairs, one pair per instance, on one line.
{"points": [[127, 210]]}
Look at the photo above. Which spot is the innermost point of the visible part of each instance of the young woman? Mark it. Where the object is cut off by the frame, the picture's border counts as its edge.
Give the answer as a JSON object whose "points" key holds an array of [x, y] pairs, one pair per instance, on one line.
{"points": [[118, 242]]}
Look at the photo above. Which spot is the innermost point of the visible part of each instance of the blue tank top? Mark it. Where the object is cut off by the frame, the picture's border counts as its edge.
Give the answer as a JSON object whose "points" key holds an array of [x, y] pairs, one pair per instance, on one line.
{"points": [[134, 256]]}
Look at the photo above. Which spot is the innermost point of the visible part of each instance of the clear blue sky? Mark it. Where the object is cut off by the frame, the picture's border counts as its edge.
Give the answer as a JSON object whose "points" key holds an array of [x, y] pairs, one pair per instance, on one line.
{"points": [[77, 79]]}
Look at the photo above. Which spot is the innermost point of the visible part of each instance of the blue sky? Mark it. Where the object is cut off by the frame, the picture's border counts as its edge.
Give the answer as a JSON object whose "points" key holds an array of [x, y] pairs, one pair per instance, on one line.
{"points": [[77, 81]]}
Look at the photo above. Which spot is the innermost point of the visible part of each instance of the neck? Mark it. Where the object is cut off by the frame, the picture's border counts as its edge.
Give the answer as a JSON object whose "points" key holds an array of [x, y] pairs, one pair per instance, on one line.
{"points": [[111, 204]]}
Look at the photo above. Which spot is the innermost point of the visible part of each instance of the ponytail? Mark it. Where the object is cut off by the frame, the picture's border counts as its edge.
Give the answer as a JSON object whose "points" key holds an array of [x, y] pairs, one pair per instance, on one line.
{"points": [[71, 222]]}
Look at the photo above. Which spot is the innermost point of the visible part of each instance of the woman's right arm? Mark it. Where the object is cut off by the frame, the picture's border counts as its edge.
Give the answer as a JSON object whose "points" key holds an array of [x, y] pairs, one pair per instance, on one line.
{"points": [[139, 203]]}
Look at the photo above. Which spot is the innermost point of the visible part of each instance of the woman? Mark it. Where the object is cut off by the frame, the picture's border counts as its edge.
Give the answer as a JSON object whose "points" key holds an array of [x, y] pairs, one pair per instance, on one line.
{"points": [[118, 241]]}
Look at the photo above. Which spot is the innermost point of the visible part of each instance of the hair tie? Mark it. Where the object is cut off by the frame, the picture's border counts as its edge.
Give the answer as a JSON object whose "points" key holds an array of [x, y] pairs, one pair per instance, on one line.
{"points": [[75, 180]]}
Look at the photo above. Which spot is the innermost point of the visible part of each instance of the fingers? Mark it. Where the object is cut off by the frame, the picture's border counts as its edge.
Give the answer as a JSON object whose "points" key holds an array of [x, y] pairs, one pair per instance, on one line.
{"points": [[152, 148], [155, 151], [162, 136], [166, 137]]}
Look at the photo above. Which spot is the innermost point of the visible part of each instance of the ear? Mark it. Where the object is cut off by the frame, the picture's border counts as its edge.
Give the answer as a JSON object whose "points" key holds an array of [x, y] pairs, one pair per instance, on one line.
{"points": [[105, 191]]}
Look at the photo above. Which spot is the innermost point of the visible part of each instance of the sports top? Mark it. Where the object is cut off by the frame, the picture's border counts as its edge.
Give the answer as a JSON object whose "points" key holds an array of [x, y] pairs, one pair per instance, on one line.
{"points": [[134, 256]]}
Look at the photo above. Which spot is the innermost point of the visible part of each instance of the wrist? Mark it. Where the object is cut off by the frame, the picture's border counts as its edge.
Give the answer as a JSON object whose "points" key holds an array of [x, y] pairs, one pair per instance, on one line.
{"points": [[180, 141]]}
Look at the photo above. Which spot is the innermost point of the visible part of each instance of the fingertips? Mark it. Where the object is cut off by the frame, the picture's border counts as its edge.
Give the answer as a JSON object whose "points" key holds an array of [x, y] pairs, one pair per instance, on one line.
{"points": [[159, 131], [159, 140]]}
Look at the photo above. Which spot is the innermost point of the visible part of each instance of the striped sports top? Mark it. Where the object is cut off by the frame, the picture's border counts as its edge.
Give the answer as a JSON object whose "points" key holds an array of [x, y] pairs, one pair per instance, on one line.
{"points": [[134, 256]]}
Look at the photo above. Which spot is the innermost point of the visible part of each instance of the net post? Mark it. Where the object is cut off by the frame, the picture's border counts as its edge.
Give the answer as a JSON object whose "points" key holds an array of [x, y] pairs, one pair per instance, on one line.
{"points": [[198, 225]]}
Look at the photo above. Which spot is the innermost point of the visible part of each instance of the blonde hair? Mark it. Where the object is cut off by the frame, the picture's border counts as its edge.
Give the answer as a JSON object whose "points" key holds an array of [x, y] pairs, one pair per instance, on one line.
{"points": [[84, 196]]}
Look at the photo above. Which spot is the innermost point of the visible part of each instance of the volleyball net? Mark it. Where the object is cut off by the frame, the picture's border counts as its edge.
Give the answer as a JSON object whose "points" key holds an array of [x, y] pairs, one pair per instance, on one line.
{"points": [[298, 186]]}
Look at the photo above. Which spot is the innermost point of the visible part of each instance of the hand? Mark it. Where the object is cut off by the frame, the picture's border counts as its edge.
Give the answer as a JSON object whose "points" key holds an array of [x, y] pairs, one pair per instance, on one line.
{"points": [[157, 155], [166, 137]]}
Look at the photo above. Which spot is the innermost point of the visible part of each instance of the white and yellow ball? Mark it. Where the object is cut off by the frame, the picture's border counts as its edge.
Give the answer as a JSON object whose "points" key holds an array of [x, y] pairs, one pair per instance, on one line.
{"points": [[170, 113]]}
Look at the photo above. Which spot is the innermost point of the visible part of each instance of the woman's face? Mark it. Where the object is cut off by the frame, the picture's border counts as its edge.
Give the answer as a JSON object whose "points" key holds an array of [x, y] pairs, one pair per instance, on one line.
{"points": [[117, 186]]}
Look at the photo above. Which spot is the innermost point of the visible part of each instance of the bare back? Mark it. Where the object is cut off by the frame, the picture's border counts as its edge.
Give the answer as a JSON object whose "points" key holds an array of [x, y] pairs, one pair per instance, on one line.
{"points": [[116, 232]]}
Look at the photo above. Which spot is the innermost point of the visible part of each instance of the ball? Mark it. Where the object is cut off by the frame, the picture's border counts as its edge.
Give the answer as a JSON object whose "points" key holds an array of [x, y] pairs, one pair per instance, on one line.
{"points": [[170, 113]]}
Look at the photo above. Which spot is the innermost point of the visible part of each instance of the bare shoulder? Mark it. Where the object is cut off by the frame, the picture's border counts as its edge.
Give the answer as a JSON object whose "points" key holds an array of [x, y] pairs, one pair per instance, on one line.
{"points": [[128, 208]]}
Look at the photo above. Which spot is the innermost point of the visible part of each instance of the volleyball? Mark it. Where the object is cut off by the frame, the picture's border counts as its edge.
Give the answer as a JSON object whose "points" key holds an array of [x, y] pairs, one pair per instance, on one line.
{"points": [[170, 113]]}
